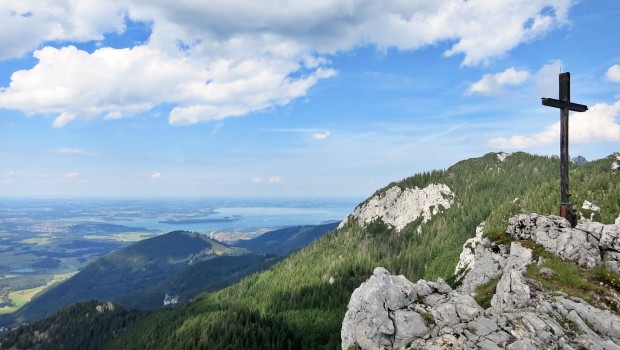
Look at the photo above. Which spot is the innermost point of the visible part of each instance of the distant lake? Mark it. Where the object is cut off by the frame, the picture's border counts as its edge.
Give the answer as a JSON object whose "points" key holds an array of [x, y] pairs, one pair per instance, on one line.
{"points": [[232, 217], [202, 215]]}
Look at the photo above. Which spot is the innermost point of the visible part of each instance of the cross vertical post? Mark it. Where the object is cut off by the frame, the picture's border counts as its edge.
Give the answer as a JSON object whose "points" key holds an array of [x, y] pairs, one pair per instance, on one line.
{"points": [[565, 105], [564, 157]]}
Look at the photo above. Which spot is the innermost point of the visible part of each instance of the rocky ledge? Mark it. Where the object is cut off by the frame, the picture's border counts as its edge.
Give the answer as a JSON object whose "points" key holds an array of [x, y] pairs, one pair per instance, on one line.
{"points": [[390, 312]]}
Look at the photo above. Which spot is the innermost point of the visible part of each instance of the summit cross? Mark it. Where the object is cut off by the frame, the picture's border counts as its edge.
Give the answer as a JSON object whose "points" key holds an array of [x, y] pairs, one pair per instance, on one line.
{"points": [[565, 105]]}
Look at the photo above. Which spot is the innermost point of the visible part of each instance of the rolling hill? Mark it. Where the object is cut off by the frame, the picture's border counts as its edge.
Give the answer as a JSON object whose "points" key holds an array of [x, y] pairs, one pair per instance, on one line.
{"points": [[122, 272], [168, 269]]}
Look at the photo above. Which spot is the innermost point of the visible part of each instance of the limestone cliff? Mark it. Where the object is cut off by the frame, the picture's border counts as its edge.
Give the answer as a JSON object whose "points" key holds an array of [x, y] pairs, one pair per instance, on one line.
{"points": [[616, 164], [398, 207], [390, 312]]}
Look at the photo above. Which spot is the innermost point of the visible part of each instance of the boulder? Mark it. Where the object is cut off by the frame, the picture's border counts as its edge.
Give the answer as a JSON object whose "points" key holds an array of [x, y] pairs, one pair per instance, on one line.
{"points": [[368, 321]]}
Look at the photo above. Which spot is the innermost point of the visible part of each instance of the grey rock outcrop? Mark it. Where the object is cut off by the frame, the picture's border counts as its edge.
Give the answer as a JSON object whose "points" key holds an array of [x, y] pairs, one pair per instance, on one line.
{"points": [[390, 312], [501, 156], [398, 207], [616, 164], [590, 206], [482, 260], [107, 306], [171, 299], [589, 244]]}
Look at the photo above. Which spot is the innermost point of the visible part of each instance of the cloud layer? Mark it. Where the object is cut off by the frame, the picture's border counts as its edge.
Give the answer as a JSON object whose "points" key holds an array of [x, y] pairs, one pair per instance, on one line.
{"points": [[218, 59]]}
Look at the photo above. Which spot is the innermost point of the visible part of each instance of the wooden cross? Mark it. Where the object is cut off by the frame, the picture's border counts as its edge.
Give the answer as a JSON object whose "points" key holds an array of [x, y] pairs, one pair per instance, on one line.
{"points": [[565, 105]]}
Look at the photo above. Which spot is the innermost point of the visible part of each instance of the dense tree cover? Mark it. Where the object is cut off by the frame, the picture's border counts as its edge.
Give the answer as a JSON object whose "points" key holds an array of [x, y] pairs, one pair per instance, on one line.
{"points": [[204, 276], [300, 302], [86, 325], [283, 241]]}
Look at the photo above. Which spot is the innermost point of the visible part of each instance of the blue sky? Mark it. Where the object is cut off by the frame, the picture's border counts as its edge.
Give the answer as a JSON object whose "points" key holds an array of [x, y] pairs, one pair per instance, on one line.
{"points": [[331, 98]]}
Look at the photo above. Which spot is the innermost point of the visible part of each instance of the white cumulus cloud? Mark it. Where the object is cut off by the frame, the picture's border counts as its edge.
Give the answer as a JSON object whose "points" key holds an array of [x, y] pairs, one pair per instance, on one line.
{"points": [[71, 175], [598, 124], [493, 83], [217, 59], [613, 73], [320, 136], [274, 179], [155, 176], [256, 180], [68, 150]]}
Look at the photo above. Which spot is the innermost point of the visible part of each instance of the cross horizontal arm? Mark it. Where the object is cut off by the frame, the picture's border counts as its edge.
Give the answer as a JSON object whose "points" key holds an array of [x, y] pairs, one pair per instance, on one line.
{"points": [[564, 104]]}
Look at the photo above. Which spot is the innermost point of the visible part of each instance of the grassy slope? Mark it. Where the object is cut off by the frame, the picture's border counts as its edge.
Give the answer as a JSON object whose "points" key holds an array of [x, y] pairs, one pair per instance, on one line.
{"points": [[297, 292]]}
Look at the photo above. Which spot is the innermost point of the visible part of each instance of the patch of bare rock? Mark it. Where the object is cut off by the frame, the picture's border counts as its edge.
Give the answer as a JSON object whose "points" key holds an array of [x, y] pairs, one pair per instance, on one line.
{"points": [[398, 207]]}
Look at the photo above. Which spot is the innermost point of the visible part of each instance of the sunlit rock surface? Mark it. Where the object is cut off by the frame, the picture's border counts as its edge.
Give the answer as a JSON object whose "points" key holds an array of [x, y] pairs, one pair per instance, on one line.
{"points": [[398, 207]]}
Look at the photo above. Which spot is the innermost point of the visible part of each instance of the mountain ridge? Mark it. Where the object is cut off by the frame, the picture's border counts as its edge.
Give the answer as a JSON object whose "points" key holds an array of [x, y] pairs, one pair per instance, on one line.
{"points": [[307, 293]]}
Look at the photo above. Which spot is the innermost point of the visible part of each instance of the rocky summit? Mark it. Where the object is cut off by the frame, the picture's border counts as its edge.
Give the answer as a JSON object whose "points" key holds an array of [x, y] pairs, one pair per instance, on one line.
{"points": [[390, 312]]}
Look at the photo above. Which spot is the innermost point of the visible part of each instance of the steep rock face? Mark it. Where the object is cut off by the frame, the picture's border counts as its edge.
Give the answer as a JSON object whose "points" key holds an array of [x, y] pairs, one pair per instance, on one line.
{"points": [[616, 164], [398, 207], [501, 156], [389, 312]]}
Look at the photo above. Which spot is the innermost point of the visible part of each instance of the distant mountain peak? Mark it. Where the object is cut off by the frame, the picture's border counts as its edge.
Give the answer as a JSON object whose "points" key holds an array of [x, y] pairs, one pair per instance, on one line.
{"points": [[579, 161]]}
